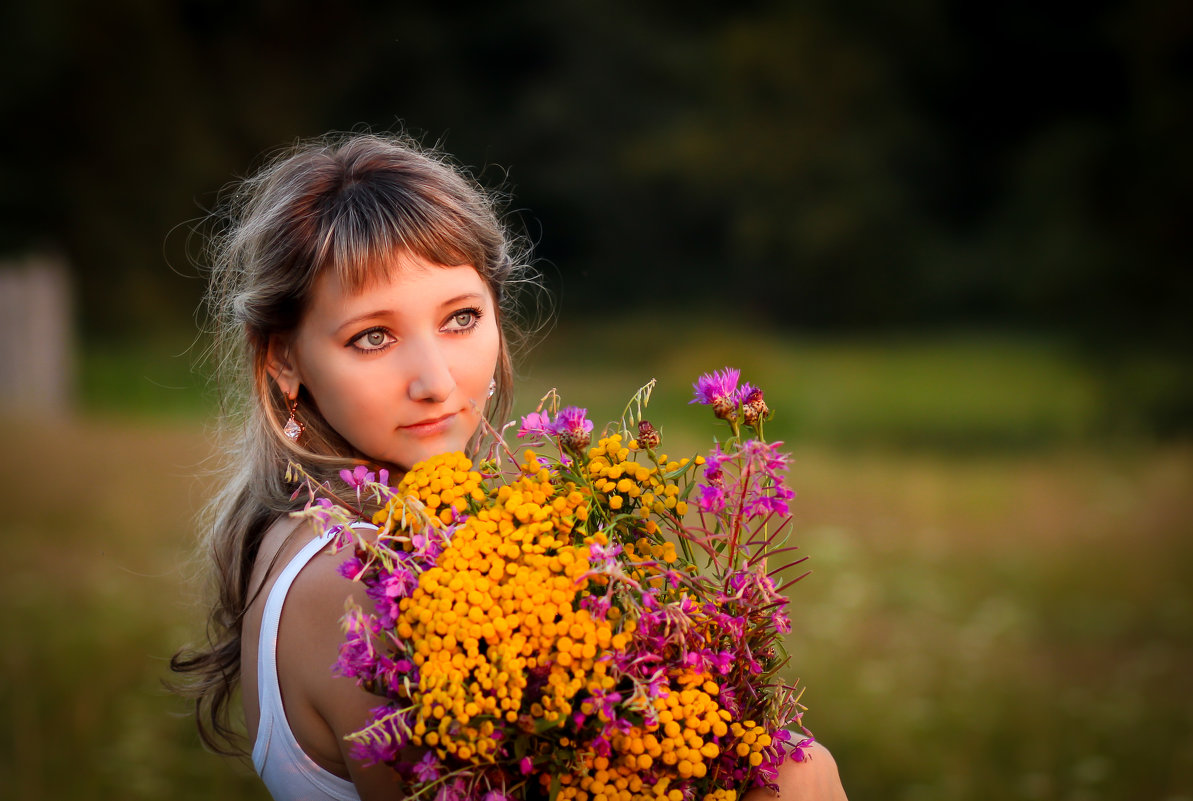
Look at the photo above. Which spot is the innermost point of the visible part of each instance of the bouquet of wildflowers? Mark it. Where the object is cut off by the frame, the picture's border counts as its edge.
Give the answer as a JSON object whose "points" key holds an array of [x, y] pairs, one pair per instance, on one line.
{"points": [[588, 621]]}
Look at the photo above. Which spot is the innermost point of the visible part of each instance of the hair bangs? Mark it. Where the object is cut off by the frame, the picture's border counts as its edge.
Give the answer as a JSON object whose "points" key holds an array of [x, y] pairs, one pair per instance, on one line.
{"points": [[371, 221]]}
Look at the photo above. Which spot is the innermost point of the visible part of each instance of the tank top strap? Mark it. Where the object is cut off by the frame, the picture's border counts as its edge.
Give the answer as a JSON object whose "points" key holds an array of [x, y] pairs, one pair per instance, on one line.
{"points": [[273, 730]]}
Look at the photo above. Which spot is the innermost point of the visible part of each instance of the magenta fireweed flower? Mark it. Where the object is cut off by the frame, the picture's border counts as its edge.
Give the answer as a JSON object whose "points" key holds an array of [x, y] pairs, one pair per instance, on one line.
{"points": [[389, 590], [603, 558], [711, 500], [358, 658], [358, 477], [456, 790], [427, 768], [387, 746], [535, 424], [748, 482]]}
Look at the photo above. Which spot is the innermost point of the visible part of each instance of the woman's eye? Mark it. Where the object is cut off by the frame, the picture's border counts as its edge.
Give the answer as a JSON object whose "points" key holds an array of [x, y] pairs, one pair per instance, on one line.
{"points": [[464, 319], [371, 340]]}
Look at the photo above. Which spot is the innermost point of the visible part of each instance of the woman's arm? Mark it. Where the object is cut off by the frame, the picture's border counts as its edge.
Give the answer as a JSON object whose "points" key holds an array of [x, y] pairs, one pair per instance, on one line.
{"points": [[814, 779]]}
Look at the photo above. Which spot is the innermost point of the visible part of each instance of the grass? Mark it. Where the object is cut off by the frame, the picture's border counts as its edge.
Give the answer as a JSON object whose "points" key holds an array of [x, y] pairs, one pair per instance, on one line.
{"points": [[981, 622], [962, 392]]}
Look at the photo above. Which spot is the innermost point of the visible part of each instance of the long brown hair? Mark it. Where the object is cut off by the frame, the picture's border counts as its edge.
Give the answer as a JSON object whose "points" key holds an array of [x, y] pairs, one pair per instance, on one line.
{"points": [[343, 203]]}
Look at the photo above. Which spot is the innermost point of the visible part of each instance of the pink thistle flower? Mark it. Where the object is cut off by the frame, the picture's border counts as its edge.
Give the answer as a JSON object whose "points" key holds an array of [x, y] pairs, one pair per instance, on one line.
{"points": [[718, 389], [717, 385], [573, 428]]}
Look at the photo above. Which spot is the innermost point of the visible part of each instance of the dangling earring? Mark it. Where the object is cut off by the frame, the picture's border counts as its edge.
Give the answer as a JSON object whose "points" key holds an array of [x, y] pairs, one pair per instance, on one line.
{"points": [[492, 387], [293, 429]]}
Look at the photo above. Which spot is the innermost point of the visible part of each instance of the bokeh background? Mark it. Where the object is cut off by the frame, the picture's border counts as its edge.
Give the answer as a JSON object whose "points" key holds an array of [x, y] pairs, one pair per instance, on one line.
{"points": [[951, 240]]}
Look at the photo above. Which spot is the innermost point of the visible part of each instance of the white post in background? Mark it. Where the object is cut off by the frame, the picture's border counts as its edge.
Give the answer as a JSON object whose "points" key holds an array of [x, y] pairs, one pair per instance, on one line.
{"points": [[36, 347]]}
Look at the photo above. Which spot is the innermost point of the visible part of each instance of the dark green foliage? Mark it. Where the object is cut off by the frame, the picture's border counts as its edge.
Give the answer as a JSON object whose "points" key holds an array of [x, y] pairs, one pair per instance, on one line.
{"points": [[826, 166]]}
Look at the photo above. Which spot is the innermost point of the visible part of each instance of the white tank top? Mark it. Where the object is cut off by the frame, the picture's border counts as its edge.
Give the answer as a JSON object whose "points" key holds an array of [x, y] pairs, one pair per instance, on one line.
{"points": [[289, 774]]}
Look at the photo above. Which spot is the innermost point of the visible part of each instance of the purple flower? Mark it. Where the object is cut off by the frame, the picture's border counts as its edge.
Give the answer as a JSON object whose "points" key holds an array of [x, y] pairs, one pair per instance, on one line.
{"points": [[711, 500], [359, 476], [598, 605], [387, 591], [572, 419], [717, 386], [715, 462], [453, 791], [427, 768], [797, 750], [603, 558], [769, 504], [743, 393], [535, 424], [756, 481], [357, 657], [526, 766], [573, 428], [385, 740]]}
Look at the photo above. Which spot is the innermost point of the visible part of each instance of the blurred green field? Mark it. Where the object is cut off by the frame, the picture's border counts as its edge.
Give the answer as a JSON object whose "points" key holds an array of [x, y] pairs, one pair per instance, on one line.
{"points": [[960, 391], [1001, 603]]}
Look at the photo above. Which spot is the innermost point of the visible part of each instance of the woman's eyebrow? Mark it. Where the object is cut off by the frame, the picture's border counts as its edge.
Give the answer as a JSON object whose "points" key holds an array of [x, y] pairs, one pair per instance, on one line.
{"points": [[467, 296], [360, 318]]}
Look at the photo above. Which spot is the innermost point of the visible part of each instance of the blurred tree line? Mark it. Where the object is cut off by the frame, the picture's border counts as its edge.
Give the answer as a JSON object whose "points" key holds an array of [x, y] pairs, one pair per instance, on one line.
{"points": [[823, 165]]}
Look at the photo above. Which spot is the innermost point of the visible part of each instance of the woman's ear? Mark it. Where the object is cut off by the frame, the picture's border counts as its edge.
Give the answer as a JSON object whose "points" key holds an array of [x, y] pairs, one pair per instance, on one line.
{"points": [[279, 363]]}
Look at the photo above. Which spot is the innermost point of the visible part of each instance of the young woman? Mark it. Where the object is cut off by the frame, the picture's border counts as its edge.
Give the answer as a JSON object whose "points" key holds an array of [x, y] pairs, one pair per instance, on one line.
{"points": [[360, 296]]}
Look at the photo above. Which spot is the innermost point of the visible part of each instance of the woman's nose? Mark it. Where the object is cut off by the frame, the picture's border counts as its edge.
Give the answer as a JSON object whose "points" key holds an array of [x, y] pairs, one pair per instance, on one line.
{"points": [[432, 379]]}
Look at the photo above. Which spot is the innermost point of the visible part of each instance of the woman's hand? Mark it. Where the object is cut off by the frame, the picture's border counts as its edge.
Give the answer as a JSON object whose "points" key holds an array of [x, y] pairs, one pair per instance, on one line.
{"points": [[814, 779]]}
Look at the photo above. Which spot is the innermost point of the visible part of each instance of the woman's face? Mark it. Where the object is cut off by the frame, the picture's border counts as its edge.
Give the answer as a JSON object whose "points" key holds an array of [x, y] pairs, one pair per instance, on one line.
{"points": [[402, 368]]}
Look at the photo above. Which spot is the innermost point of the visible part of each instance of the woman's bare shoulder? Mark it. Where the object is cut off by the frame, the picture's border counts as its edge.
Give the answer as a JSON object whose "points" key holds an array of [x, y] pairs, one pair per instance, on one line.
{"points": [[323, 706], [815, 778]]}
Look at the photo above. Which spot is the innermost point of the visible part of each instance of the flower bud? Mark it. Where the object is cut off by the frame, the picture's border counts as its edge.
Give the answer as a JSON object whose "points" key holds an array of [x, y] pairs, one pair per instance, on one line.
{"points": [[575, 440], [724, 408], [754, 408], [648, 435]]}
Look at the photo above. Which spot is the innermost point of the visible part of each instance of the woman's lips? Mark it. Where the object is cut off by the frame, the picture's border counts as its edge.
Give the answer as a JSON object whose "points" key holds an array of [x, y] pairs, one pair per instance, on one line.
{"points": [[430, 426]]}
